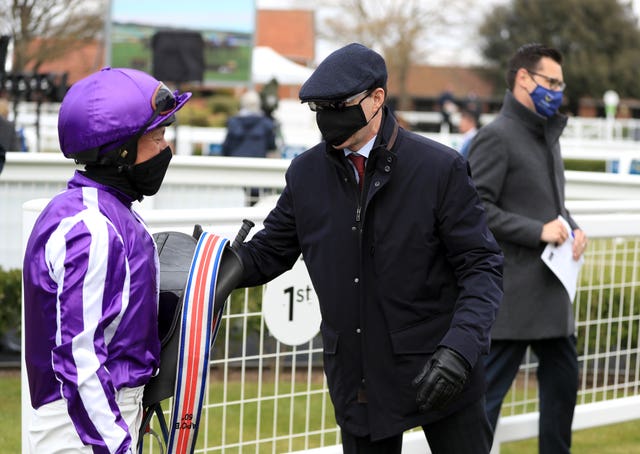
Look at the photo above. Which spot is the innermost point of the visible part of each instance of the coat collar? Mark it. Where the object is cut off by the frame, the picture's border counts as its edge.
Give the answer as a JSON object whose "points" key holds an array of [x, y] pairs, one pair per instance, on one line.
{"points": [[388, 131], [550, 128]]}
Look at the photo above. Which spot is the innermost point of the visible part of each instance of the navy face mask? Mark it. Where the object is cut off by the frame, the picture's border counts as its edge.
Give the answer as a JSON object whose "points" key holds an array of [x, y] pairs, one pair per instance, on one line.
{"points": [[546, 101]]}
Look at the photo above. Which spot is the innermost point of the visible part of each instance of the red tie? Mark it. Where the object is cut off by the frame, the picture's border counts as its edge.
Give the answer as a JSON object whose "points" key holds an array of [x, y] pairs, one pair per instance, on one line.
{"points": [[358, 161]]}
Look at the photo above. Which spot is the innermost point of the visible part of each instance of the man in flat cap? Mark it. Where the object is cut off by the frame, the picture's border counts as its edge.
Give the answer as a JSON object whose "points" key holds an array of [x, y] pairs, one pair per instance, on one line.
{"points": [[408, 275]]}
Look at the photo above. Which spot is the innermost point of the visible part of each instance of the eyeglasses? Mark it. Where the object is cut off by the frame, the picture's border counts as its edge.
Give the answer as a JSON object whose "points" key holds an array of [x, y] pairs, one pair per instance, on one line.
{"points": [[163, 100], [337, 105], [554, 84]]}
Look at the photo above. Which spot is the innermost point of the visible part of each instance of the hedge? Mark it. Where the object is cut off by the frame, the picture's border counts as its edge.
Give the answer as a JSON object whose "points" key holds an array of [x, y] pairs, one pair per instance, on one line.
{"points": [[10, 299]]}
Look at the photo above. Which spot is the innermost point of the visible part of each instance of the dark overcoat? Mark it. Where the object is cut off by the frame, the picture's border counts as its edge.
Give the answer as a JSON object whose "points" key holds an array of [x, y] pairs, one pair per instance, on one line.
{"points": [[517, 167], [406, 267]]}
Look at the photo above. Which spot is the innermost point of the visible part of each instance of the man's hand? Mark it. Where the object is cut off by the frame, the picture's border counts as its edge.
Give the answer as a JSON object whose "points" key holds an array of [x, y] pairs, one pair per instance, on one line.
{"points": [[554, 232], [441, 379], [579, 243]]}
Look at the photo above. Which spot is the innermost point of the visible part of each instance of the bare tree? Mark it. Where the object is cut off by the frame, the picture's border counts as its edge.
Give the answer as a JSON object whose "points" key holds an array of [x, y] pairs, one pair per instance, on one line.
{"points": [[403, 31], [43, 30]]}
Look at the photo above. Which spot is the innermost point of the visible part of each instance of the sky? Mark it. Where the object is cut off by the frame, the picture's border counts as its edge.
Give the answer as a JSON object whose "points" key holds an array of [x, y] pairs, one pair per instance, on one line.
{"points": [[235, 15]]}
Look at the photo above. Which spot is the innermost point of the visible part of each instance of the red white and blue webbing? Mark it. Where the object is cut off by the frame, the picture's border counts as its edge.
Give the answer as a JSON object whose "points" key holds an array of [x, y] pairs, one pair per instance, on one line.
{"points": [[198, 328]]}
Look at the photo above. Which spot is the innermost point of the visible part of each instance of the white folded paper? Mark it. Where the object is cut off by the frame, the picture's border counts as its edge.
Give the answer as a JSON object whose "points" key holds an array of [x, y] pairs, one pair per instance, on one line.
{"points": [[560, 260]]}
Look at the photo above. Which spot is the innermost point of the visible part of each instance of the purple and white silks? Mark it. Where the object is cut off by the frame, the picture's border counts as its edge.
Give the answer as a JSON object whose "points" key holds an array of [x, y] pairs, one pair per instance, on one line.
{"points": [[90, 279]]}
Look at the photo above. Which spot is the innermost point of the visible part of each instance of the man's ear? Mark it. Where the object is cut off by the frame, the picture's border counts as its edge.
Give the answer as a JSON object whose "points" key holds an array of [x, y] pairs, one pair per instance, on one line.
{"points": [[522, 78], [379, 96]]}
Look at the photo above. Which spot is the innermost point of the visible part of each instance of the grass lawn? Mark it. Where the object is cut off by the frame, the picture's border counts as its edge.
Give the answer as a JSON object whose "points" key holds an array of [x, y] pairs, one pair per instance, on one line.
{"points": [[10, 415], [614, 439]]}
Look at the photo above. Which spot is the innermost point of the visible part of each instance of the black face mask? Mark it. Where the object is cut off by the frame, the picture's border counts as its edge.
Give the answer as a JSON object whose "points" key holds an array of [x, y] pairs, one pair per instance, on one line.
{"points": [[147, 176], [337, 125]]}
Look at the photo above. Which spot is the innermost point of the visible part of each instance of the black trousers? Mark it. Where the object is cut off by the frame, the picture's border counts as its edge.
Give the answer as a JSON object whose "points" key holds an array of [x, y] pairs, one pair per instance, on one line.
{"points": [[557, 383], [464, 432]]}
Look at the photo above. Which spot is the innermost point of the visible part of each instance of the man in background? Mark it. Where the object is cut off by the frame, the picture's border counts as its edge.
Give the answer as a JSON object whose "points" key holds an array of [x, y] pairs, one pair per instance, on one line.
{"points": [[518, 171], [250, 133]]}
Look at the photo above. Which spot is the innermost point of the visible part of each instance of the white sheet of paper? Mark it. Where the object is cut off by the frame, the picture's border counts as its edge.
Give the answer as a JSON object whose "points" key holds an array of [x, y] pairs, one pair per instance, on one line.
{"points": [[560, 260]]}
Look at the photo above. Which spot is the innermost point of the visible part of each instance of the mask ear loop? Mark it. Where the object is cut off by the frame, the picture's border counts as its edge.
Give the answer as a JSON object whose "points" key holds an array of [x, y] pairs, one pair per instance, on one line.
{"points": [[379, 108]]}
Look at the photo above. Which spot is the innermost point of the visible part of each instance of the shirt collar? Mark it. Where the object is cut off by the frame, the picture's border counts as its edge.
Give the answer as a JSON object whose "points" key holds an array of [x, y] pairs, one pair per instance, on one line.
{"points": [[364, 151]]}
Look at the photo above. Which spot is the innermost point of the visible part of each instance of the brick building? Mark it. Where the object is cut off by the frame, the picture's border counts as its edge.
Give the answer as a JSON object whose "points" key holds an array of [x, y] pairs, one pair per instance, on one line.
{"points": [[297, 43]]}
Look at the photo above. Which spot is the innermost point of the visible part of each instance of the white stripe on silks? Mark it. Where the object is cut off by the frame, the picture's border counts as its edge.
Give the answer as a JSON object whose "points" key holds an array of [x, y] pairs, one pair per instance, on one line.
{"points": [[199, 325], [90, 387]]}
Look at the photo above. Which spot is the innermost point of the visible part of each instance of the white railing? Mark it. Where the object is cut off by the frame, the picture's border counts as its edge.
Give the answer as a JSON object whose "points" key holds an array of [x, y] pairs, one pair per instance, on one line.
{"points": [[264, 396], [577, 127], [193, 182]]}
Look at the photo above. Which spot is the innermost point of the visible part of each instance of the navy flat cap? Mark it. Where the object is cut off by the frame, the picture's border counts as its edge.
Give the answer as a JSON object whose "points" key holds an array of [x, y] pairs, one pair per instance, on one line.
{"points": [[345, 72]]}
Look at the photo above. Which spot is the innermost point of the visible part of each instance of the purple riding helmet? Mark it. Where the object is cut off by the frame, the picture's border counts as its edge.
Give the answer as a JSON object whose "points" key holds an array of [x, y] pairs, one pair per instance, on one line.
{"points": [[104, 114]]}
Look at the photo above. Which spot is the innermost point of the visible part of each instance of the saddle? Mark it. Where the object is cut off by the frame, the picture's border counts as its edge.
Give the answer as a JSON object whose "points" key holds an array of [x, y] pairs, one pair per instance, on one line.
{"points": [[176, 251]]}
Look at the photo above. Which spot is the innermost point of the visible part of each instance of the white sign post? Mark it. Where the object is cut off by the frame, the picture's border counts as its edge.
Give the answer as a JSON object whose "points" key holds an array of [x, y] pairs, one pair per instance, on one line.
{"points": [[290, 307]]}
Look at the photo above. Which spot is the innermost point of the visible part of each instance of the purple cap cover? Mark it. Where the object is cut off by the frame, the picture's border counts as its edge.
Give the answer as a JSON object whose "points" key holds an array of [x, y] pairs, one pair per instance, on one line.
{"points": [[107, 108]]}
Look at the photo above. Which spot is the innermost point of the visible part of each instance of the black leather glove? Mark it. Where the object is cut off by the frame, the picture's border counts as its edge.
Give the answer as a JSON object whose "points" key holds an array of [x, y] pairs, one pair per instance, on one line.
{"points": [[441, 379]]}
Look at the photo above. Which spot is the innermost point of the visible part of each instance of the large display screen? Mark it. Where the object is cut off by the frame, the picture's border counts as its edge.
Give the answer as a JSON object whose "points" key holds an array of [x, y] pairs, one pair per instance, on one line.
{"points": [[159, 33]]}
